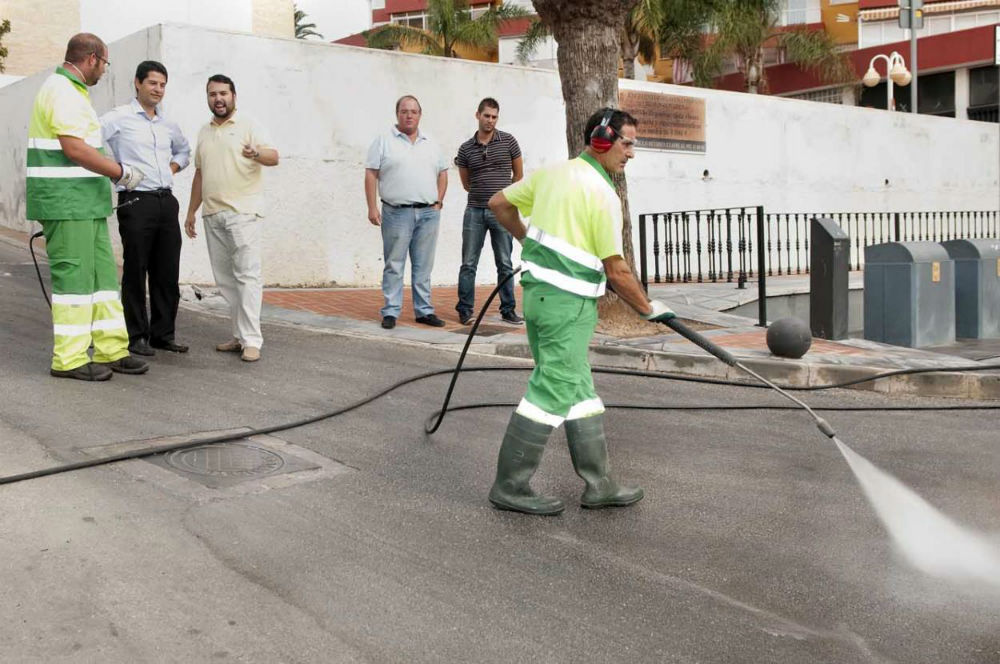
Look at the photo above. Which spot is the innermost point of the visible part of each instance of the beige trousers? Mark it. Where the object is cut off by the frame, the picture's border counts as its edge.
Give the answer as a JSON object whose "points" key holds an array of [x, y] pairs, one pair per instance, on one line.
{"points": [[234, 249]]}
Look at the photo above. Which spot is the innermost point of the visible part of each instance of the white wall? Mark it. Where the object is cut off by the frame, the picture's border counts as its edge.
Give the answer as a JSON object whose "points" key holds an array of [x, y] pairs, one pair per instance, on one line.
{"points": [[324, 103]]}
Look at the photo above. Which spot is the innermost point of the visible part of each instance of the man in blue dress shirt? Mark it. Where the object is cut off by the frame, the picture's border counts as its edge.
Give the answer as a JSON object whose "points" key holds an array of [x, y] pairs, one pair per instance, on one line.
{"points": [[140, 136]]}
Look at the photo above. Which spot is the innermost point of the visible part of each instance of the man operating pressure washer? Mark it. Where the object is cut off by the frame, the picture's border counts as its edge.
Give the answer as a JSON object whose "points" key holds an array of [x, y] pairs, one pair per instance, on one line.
{"points": [[571, 249]]}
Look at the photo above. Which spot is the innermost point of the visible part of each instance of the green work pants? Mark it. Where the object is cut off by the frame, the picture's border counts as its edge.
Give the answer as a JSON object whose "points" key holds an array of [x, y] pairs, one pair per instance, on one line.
{"points": [[560, 326], [86, 307]]}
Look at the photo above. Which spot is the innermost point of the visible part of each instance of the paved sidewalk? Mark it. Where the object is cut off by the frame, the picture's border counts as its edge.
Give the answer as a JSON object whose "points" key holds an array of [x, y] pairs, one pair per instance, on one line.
{"points": [[355, 311]]}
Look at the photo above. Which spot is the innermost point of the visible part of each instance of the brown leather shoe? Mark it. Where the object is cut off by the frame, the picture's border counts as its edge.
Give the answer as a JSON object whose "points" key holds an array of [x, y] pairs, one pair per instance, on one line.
{"points": [[231, 346], [250, 354]]}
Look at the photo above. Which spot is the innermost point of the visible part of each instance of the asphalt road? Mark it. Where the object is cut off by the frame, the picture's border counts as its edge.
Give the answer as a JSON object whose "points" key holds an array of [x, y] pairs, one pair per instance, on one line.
{"points": [[754, 542]]}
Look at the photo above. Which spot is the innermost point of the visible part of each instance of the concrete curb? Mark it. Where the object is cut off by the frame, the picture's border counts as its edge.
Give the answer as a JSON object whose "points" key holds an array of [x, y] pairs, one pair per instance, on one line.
{"points": [[955, 385]]}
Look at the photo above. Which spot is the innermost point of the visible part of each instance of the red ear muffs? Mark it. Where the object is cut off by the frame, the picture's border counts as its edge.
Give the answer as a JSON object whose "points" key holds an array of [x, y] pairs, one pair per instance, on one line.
{"points": [[603, 136]]}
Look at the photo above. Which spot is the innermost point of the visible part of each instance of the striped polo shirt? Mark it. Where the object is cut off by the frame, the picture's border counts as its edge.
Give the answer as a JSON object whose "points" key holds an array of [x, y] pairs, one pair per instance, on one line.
{"points": [[576, 222], [57, 188], [489, 165]]}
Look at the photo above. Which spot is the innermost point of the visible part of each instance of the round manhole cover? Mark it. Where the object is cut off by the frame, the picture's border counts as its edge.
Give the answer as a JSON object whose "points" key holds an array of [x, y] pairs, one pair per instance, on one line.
{"points": [[226, 461]]}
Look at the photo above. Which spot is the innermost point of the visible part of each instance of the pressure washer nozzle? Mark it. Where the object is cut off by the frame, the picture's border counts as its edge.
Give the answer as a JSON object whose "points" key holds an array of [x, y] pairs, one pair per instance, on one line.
{"points": [[825, 427]]}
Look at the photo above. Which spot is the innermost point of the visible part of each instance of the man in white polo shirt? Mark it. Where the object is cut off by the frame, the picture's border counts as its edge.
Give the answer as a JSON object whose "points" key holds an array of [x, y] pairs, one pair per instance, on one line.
{"points": [[231, 150], [407, 170]]}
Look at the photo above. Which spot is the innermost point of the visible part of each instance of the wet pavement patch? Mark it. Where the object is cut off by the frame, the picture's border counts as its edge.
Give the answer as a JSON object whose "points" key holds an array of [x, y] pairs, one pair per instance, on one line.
{"points": [[489, 330], [222, 465]]}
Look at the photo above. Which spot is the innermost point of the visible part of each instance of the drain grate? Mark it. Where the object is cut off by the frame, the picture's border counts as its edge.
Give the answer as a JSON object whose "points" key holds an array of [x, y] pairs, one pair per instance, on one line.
{"points": [[223, 465]]}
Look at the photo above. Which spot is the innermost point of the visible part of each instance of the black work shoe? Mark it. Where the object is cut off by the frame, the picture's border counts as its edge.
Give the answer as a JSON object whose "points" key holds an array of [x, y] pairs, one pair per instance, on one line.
{"points": [[90, 371], [431, 320], [466, 319], [128, 365], [140, 347], [512, 318], [171, 345], [388, 322]]}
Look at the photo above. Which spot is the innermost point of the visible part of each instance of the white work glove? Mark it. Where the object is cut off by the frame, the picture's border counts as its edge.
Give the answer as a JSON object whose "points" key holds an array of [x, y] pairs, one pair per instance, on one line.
{"points": [[131, 177], [661, 313]]}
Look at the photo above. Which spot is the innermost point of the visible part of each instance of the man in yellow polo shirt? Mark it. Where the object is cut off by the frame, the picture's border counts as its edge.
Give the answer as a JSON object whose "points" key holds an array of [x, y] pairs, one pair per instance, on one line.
{"points": [[572, 248], [68, 192], [232, 147]]}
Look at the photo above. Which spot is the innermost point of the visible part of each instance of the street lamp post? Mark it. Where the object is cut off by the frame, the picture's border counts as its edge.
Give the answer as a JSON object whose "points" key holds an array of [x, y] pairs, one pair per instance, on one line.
{"points": [[896, 72]]}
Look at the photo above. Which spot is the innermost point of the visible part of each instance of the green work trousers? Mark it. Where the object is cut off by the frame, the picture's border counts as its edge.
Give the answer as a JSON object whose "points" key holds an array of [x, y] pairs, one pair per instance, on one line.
{"points": [[86, 308], [560, 326]]}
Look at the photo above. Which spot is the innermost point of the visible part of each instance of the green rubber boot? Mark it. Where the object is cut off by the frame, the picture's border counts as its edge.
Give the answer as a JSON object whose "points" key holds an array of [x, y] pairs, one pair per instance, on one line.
{"points": [[520, 454], [589, 451]]}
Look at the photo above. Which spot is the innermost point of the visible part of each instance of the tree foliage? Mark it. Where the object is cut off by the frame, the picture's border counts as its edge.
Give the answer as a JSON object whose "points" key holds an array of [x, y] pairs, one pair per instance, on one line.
{"points": [[707, 33], [449, 25], [4, 29], [304, 30]]}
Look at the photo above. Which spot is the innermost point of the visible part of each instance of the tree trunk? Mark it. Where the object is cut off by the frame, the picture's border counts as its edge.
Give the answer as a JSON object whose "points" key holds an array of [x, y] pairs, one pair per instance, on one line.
{"points": [[588, 33], [629, 51], [755, 70]]}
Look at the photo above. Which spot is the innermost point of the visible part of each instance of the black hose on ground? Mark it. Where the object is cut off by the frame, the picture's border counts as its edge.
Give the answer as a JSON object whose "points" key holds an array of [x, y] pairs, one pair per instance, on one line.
{"points": [[438, 416]]}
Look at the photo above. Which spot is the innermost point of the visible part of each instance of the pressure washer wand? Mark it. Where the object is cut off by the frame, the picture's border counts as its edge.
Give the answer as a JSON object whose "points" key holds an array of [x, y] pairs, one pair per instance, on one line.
{"points": [[727, 357]]}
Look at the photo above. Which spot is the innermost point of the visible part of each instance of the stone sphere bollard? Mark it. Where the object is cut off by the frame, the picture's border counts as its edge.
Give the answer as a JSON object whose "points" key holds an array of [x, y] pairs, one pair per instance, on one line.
{"points": [[789, 337]]}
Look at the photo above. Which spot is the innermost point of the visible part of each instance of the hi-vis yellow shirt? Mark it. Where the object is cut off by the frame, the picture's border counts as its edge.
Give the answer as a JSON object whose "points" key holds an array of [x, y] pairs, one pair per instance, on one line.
{"points": [[230, 181], [576, 222], [58, 189]]}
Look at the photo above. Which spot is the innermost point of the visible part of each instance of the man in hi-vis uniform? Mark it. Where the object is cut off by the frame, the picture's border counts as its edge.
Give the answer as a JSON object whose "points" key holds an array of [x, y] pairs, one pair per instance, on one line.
{"points": [[571, 250], [68, 192]]}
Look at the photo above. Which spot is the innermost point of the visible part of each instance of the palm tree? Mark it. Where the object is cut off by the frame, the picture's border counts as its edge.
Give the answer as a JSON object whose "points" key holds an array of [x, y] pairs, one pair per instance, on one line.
{"points": [[449, 25], [638, 35], [742, 29], [304, 30]]}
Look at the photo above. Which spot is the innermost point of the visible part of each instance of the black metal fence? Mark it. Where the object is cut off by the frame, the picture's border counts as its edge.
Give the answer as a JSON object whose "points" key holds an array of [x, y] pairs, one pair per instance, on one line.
{"points": [[730, 244]]}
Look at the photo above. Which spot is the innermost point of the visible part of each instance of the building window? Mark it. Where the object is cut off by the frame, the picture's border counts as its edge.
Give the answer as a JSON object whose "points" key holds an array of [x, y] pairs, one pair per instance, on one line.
{"points": [[936, 94], [827, 96], [984, 86], [876, 97], [795, 12], [413, 19]]}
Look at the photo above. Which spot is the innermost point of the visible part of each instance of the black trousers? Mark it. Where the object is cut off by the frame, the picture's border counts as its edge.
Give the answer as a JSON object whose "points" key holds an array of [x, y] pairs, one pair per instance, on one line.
{"points": [[151, 240]]}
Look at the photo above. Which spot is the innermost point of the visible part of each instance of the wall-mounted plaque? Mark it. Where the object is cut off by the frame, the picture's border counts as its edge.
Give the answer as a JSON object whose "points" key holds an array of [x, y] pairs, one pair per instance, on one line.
{"points": [[666, 122]]}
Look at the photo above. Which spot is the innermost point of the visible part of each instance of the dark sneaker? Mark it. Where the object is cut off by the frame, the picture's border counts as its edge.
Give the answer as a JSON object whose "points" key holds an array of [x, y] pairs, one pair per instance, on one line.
{"points": [[90, 371], [140, 347], [388, 322], [128, 365], [171, 345], [466, 319], [431, 320], [512, 318]]}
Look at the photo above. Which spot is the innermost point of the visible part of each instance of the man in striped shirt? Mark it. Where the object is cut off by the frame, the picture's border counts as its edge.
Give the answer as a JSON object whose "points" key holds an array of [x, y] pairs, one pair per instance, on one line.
{"points": [[69, 193], [572, 248], [487, 162]]}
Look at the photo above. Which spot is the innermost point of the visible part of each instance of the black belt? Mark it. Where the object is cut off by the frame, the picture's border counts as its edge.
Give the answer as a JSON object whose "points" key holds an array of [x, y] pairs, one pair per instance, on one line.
{"points": [[409, 205], [159, 193]]}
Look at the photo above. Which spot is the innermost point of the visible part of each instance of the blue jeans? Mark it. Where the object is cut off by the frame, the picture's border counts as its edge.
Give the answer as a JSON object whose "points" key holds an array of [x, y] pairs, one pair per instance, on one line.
{"points": [[410, 231], [474, 226]]}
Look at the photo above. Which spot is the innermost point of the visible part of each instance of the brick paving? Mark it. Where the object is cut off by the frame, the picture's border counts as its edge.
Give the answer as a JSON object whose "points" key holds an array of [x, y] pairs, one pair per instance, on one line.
{"points": [[364, 303], [757, 340]]}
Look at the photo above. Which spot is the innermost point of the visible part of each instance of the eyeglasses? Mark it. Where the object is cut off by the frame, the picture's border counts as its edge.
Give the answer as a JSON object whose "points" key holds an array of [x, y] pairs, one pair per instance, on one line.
{"points": [[486, 150], [106, 62]]}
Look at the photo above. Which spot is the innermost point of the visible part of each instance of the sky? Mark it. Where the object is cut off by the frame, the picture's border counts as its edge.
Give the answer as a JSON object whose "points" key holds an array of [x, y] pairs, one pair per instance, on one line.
{"points": [[337, 18]]}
